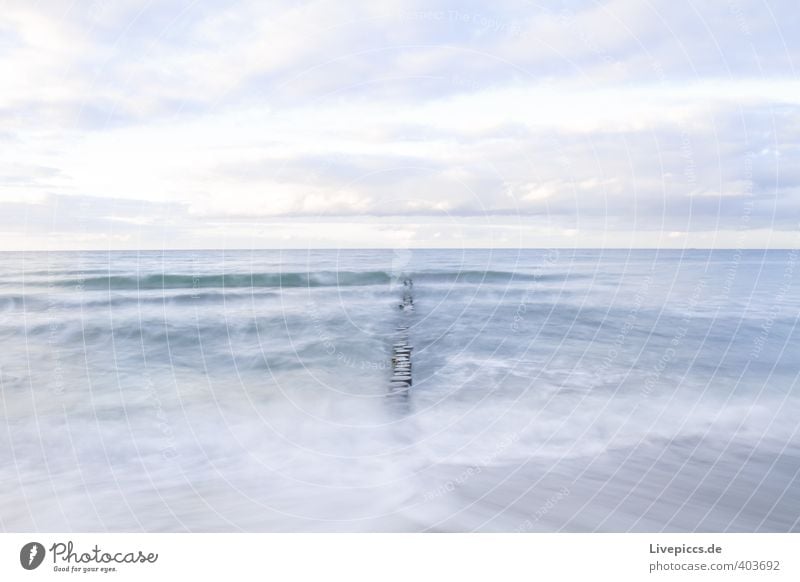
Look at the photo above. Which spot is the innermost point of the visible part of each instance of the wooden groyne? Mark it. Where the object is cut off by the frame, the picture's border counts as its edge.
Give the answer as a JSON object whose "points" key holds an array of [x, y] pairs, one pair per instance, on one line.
{"points": [[402, 380]]}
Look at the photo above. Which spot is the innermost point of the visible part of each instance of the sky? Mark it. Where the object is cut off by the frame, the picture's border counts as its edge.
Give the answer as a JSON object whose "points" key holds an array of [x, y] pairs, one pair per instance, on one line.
{"points": [[400, 124]]}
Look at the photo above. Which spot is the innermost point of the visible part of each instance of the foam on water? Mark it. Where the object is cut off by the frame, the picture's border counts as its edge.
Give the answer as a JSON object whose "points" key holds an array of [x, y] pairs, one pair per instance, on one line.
{"points": [[553, 390]]}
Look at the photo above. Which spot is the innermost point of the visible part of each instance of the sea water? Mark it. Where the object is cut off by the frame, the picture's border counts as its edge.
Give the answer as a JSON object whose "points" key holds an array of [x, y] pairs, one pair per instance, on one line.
{"points": [[553, 390]]}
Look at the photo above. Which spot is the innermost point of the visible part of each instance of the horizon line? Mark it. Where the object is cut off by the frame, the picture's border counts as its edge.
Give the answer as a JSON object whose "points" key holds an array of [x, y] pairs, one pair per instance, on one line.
{"points": [[205, 249]]}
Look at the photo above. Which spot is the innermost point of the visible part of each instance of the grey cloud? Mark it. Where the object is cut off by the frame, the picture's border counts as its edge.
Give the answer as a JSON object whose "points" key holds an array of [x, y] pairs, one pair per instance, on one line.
{"points": [[83, 214], [171, 58], [150, 63]]}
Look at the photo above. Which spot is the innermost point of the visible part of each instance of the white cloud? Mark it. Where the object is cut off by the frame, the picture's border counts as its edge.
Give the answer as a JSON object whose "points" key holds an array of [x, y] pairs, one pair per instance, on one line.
{"points": [[646, 118]]}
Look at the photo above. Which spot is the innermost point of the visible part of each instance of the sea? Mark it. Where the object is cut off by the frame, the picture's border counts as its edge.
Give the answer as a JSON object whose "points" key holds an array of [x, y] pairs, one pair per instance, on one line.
{"points": [[553, 390]]}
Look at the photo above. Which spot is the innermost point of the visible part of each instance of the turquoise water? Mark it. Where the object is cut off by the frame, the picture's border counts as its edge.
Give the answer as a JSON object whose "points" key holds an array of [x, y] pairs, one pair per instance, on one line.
{"points": [[554, 390]]}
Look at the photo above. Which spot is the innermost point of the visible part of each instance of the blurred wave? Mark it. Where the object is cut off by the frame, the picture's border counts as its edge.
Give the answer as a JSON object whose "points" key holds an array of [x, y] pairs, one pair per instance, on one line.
{"points": [[553, 390]]}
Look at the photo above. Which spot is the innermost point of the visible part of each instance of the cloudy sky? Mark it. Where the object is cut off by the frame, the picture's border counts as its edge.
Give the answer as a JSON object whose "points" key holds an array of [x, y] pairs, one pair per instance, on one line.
{"points": [[240, 124]]}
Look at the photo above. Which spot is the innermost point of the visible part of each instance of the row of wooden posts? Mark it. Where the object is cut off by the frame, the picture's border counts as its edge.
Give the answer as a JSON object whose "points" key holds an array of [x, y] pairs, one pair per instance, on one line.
{"points": [[401, 348]]}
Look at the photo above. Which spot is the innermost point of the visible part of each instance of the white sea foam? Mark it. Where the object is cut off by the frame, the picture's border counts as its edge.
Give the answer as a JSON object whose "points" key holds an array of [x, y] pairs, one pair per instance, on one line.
{"points": [[193, 391]]}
